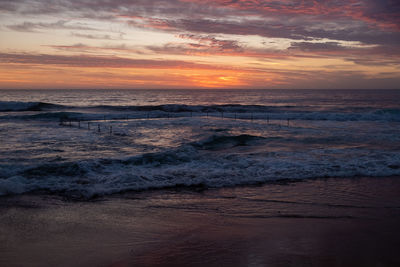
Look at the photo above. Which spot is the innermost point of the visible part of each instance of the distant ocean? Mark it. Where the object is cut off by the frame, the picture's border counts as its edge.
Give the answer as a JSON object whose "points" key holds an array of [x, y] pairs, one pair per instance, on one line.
{"points": [[96, 142]]}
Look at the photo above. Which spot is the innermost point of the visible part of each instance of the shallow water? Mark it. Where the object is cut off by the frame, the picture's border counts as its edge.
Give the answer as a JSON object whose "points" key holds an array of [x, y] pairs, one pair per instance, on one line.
{"points": [[319, 222]]}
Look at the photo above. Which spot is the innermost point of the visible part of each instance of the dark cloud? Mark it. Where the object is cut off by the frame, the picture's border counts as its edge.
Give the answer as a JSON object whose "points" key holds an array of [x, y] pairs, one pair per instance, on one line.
{"points": [[384, 13], [297, 31], [8, 6], [98, 36], [367, 21], [374, 61], [92, 36], [95, 61], [210, 45], [209, 42], [60, 24], [369, 56], [378, 11], [209, 26], [105, 49], [308, 46]]}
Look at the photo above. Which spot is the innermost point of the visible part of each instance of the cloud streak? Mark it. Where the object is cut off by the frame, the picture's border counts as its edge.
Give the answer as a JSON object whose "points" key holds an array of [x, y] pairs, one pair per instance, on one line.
{"points": [[58, 25], [85, 61], [98, 36]]}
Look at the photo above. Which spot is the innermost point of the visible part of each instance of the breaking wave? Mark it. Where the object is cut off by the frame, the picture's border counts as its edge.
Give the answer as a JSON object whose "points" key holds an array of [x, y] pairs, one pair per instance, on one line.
{"points": [[199, 163]]}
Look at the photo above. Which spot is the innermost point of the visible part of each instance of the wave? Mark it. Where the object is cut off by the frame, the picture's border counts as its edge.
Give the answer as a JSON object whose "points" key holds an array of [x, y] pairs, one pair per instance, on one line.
{"points": [[199, 163], [224, 141], [256, 112], [264, 112], [177, 108], [55, 116], [26, 106]]}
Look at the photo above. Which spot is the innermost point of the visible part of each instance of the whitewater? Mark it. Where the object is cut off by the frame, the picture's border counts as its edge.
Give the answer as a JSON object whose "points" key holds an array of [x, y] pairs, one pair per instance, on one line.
{"points": [[87, 143]]}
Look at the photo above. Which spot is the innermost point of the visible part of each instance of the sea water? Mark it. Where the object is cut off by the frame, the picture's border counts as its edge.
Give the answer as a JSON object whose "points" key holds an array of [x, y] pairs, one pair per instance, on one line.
{"points": [[96, 142]]}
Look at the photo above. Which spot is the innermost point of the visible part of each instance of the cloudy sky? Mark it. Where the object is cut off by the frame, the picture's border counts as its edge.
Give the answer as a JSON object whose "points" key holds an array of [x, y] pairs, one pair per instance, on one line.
{"points": [[199, 44]]}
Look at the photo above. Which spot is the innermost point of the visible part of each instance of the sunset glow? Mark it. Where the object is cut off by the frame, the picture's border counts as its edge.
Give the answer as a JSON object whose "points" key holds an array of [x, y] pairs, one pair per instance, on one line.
{"points": [[199, 44]]}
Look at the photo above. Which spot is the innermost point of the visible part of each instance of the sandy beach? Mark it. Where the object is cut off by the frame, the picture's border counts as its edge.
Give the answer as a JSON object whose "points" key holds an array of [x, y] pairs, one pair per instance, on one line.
{"points": [[322, 222]]}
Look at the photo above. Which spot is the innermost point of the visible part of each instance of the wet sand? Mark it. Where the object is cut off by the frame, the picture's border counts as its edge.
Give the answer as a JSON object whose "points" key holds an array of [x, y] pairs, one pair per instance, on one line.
{"points": [[322, 222]]}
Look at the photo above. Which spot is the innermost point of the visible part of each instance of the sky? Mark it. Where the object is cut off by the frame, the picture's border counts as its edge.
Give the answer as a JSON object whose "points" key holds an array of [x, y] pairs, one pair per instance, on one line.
{"points": [[316, 44]]}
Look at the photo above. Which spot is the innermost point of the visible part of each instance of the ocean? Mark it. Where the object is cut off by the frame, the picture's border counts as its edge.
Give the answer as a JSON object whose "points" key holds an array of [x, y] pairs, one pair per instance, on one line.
{"points": [[88, 143], [199, 177]]}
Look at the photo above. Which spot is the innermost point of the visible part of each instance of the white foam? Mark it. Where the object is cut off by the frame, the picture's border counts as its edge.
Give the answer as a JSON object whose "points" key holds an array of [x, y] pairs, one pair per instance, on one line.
{"points": [[189, 166]]}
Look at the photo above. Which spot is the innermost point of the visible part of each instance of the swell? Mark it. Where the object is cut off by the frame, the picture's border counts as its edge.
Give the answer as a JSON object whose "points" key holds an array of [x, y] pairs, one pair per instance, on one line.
{"points": [[258, 112], [226, 141], [27, 106]]}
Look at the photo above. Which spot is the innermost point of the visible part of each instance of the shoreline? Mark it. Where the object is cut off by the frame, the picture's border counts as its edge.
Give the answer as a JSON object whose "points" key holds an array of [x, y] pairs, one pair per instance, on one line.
{"points": [[316, 222], [195, 188]]}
